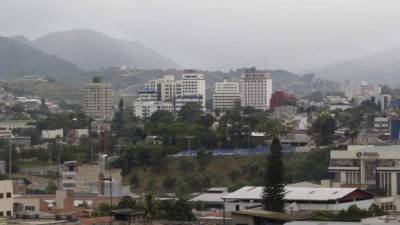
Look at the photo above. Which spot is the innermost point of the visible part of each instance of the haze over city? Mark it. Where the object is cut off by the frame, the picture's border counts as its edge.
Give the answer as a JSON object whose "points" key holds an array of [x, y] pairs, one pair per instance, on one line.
{"points": [[296, 35]]}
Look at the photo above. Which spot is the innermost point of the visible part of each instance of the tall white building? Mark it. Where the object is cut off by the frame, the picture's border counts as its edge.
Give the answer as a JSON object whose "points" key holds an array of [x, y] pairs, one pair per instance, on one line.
{"points": [[148, 102], [165, 87], [256, 89], [191, 88], [227, 95], [97, 100]]}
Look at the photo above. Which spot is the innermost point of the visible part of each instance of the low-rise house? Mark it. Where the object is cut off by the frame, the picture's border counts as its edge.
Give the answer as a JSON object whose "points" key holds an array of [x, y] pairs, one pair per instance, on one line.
{"points": [[212, 198], [52, 134], [301, 199]]}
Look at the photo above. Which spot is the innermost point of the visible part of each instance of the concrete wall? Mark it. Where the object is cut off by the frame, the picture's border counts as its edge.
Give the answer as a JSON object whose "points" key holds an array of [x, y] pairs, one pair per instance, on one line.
{"points": [[6, 203]]}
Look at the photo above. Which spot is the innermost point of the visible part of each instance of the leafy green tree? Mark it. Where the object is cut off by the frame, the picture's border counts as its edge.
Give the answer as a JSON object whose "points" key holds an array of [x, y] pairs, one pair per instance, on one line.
{"points": [[322, 129], [150, 206], [181, 211], [127, 202], [134, 181], [203, 158], [169, 182], [274, 192], [190, 112], [162, 117]]}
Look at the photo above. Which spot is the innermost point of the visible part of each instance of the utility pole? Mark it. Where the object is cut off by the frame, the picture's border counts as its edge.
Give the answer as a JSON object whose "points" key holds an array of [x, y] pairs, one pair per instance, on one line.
{"points": [[10, 148]]}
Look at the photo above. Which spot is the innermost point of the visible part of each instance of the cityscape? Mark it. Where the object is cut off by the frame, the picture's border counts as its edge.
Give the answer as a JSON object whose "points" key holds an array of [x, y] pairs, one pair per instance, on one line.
{"points": [[97, 129]]}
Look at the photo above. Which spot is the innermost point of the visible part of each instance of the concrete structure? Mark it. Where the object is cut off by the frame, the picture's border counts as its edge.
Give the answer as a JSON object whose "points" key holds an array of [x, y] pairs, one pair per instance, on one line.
{"points": [[15, 124], [164, 87], [85, 177], [190, 88], [360, 92], [97, 100], [144, 109], [227, 95], [256, 89], [381, 123], [52, 134], [301, 199], [377, 167], [6, 198], [280, 98], [212, 197]]}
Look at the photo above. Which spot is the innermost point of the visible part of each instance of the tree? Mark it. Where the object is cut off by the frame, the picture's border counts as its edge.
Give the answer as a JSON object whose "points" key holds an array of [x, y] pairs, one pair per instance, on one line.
{"points": [[127, 202], [190, 112], [161, 116], [274, 192], [118, 122], [134, 181], [323, 128], [169, 182]]}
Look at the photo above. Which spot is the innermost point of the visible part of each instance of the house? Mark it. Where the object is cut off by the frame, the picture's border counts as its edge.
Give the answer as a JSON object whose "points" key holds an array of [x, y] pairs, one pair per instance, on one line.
{"points": [[212, 197], [301, 199], [52, 134], [251, 217]]}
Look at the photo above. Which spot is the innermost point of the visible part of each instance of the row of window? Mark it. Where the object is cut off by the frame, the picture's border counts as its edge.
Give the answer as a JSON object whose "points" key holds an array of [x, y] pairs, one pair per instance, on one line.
{"points": [[7, 213], [8, 195]]}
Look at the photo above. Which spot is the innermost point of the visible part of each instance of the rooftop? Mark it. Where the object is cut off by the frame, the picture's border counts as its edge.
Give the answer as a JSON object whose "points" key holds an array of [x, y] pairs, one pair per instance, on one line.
{"points": [[294, 193]]}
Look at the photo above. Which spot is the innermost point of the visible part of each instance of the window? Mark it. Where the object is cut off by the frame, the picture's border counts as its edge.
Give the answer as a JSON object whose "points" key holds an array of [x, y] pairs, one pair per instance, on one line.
{"points": [[237, 207], [29, 208], [8, 213], [1, 214], [8, 194], [1, 195]]}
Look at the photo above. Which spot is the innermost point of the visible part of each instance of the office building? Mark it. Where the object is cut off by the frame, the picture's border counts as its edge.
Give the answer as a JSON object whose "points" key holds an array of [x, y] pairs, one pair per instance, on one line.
{"points": [[227, 95], [360, 92], [376, 167], [144, 109], [256, 89], [97, 100], [164, 87], [191, 88], [6, 198]]}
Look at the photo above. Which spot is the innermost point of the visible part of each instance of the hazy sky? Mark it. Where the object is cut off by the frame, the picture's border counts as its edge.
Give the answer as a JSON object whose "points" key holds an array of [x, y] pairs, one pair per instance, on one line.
{"points": [[220, 34]]}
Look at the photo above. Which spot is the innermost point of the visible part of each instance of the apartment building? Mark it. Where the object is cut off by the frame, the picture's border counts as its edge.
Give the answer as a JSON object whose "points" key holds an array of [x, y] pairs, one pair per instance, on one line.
{"points": [[164, 87], [97, 100], [361, 92], [227, 95], [191, 88], [149, 101], [6, 198], [84, 177], [256, 89], [377, 167]]}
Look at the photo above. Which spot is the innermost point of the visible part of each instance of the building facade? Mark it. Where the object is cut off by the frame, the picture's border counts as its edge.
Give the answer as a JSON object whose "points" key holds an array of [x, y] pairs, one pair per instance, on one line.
{"points": [[227, 95], [144, 109], [256, 90], [191, 88], [97, 100], [280, 98], [377, 167], [6, 198]]}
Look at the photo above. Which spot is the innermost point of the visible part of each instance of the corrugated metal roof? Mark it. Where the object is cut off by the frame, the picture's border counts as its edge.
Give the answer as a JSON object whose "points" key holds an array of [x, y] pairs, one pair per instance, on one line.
{"points": [[294, 193]]}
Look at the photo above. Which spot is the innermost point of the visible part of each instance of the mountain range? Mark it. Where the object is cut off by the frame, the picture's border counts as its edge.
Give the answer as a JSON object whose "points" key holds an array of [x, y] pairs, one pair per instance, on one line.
{"points": [[381, 67], [71, 52]]}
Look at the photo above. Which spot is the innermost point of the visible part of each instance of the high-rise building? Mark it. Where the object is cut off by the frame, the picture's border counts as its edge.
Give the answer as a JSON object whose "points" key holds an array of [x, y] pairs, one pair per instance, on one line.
{"points": [[191, 88], [256, 89], [149, 100], [165, 87], [227, 95], [97, 100]]}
